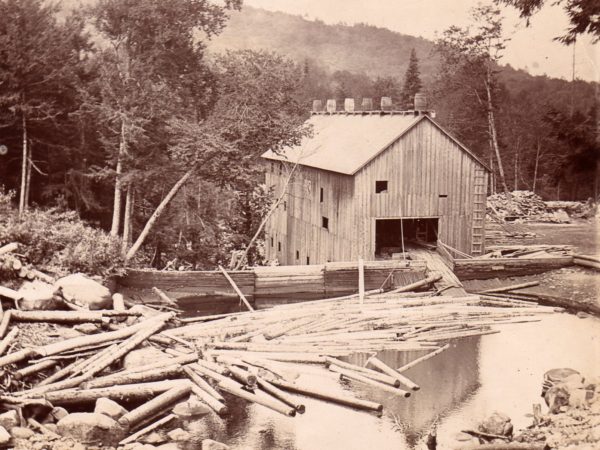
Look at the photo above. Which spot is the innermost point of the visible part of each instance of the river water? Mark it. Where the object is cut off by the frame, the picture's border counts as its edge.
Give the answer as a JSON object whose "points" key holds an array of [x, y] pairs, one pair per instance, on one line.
{"points": [[461, 386], [473, 378]]}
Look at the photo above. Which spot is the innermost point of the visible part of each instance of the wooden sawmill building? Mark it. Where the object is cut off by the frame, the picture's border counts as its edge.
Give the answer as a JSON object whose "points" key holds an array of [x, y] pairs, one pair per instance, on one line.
{"points": [[369, 183]]}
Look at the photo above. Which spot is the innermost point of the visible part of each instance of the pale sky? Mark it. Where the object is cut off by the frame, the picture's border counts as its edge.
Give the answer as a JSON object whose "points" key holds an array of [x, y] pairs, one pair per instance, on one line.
{"points": [[531, 48]]}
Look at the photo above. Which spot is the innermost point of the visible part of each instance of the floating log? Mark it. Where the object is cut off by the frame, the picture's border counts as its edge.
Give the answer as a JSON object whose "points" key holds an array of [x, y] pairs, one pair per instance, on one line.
{"points": [[154, 406], [422, 358], [327, 396], [82, 341], [381, 377], [345, 373], [379, 364], [122, 393], [269, 402], [280, 395], [217, 406], [152, 326], [135, 436], [158, 374], [243, 376], [203, 384]]}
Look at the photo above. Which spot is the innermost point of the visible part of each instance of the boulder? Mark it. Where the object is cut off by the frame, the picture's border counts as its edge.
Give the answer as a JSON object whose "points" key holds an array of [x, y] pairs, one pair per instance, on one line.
{"points": [[86, 328], [143, 356], [91, 429], [192, 409], [154, 438], [4, 437], [498, 424], [58, 412], [169, 446], [37, 296], [109, 408], [84, 291], [9, 419], [179, 435], [21, 433], [209, 444]]}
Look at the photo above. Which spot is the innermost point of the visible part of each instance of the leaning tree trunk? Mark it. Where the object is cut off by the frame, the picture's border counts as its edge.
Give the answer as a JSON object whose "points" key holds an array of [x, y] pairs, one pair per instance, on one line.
{"points": [[118, 197], [156, 215], [493, 132], [24, 168], [128, 218]]}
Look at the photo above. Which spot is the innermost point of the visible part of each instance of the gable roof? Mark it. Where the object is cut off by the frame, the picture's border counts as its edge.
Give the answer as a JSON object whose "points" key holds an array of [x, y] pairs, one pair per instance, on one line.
{"points": [[345, 143]]}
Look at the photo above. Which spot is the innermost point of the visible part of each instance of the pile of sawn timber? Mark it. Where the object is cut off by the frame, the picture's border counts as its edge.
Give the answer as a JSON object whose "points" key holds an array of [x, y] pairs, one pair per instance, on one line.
{"points": [[247, 355]]}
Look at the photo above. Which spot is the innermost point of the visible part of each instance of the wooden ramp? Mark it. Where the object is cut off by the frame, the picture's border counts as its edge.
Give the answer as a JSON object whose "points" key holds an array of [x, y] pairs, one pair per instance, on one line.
{"points": [[450, 285]]}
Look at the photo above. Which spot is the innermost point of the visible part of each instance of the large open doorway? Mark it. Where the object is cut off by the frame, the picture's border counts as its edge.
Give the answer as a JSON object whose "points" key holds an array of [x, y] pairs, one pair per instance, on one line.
{"points": [[389, 233]]}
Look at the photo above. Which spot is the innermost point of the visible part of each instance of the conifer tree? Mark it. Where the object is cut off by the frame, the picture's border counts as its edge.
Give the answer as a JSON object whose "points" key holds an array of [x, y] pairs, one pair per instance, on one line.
{"points": [[412, 81]]}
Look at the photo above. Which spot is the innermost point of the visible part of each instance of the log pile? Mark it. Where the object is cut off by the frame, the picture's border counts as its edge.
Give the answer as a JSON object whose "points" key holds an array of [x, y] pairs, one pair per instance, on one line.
{"points": [[527, 251], [251, 355], [528, 206]]}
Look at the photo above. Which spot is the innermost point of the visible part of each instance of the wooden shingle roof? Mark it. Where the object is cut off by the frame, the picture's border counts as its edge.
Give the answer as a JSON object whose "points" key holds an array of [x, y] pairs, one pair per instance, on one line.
{"points": [[345, 143]]}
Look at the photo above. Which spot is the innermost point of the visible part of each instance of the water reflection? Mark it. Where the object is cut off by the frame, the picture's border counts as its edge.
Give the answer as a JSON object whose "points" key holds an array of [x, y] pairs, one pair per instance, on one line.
{"points": [[460, 386]]}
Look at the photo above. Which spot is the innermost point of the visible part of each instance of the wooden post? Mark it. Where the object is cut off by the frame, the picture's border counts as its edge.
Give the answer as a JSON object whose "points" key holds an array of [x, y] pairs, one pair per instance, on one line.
{"points": [[237, 290], [361, 280]]}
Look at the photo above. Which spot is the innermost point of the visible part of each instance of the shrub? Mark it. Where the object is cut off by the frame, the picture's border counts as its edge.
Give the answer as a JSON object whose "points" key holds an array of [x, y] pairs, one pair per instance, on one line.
{"points": [[59, 241]]}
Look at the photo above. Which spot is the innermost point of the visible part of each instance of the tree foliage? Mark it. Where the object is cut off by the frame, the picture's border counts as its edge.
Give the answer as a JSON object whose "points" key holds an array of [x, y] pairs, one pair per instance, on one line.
{"points": [[584, 15], [412, 81]]}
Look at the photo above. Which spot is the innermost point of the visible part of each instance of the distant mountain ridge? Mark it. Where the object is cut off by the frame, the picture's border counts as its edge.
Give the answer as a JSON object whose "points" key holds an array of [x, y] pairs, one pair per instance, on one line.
{"points": [[358, 48]]}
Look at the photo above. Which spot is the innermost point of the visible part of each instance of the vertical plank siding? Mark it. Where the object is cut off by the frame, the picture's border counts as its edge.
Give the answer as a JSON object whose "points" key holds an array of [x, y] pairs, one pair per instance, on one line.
{"points": [[424, 164]]}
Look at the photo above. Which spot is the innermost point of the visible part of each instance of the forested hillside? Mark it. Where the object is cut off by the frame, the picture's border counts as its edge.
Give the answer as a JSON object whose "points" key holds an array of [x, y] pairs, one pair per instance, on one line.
{"points": [[365, 61]]}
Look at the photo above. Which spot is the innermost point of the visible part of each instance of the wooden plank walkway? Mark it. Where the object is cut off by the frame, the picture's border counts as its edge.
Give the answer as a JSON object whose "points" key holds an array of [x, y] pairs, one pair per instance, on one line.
{"points": [[450, 284]]}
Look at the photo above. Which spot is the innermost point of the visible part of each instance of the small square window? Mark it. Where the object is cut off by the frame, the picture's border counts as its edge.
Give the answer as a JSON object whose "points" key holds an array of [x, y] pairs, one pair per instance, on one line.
{"points": [[297, 254], [381, 187], [321, 196], [325, 222], [443, 195], [279, 246], [307, 260]]}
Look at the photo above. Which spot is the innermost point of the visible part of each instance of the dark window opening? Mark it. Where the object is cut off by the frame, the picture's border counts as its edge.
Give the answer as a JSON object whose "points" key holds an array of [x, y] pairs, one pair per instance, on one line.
{"points": [[325, 222], [297, 254], [381, 187], [285, 206], [272, 167], [280, 168], [279, 246], [272, 243], [389, 233], [321, 196], [443, 195], [307, 260]]}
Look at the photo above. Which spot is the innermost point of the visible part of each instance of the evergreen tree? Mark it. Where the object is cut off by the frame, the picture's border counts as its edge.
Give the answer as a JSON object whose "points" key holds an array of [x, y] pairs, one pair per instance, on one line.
{"points": [[412, 81]]}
